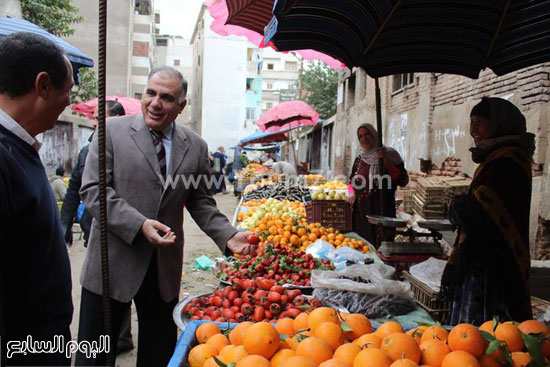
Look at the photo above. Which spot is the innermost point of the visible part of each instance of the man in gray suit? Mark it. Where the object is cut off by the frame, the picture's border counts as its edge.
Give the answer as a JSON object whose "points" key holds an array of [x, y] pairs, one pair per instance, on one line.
{"points": [[145, 218]]}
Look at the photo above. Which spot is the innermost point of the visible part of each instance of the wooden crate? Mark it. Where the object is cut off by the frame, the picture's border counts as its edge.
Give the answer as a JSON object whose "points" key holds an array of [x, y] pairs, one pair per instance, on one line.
{"points": [[330, 213], [435, 303]]}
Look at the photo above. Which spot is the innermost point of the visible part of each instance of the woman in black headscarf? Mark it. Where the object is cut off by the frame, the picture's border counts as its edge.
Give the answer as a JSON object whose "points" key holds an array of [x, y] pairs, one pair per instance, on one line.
{"points": [[368, 178], [488, 272]]}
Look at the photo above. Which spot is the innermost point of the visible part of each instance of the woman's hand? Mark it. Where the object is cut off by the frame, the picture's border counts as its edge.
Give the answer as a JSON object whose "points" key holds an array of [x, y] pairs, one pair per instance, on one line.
{"points": [[350, 199], [381, 153]]}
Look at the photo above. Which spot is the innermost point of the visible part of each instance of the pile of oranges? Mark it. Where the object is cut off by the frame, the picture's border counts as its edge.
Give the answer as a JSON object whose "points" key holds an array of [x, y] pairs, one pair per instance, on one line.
{"points": [[298, 234], [326, 338]]}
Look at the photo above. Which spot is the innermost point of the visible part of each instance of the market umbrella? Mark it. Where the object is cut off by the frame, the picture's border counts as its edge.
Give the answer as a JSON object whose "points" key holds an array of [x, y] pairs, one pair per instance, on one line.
{"points": [[260, 137], [288, 115], [248, 18], [77, 58], [132, 106], [388, 37]]}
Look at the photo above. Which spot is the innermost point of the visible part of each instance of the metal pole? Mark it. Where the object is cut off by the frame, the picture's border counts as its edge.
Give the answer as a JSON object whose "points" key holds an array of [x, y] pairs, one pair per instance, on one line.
{"points": [[102, 57], [380, 139]]}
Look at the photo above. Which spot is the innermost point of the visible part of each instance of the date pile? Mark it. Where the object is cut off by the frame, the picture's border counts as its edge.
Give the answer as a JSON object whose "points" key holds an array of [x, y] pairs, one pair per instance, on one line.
{"points": [[250, 300], [277, 263]]}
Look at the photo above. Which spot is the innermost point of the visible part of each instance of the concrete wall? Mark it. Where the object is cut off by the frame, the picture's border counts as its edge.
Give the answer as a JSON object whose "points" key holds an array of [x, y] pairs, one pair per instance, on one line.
{"points": [[10, 8], [119, 40]]}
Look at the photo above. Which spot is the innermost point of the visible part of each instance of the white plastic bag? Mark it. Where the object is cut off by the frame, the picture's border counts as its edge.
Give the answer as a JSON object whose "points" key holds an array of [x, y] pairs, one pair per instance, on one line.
{"points": [[320, 249], [429, 272], [363, 279]]}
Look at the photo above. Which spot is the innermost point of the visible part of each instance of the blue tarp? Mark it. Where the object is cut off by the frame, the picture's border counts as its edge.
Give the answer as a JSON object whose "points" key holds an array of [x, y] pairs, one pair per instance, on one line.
{"points": [[260, 136], [76, 57]]}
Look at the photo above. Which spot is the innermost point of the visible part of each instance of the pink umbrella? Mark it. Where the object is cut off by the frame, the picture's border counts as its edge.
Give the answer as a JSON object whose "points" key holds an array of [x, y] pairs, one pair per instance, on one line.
{"points": [[250, 25], [132, 106], [288, 115]]}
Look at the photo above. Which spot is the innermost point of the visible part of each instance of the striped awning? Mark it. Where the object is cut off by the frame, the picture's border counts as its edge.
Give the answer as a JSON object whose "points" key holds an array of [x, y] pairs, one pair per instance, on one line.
{"points": [[388, 37], [251, 14]]}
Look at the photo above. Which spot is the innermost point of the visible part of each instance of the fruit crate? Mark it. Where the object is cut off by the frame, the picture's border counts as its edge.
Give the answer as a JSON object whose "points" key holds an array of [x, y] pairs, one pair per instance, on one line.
{"points": [[435, 303], [187, 341], [330, 213], [435, 209], [408, 200]]}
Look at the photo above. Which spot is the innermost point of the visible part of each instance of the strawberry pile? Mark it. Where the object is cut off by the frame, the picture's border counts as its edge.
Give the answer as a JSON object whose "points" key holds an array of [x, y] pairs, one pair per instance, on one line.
{"points": [[250, 300], [274, 262]]}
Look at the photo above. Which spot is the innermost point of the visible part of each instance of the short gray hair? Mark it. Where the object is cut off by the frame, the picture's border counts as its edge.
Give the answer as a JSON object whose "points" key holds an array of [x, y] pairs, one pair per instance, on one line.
{"points": [[173, 73]]}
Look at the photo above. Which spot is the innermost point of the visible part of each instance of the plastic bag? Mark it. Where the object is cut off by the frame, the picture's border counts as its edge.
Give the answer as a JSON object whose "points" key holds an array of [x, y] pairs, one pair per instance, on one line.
{"points": [[320, 249], [346, 253], [372, 306], [370, 279], [429, 272]]}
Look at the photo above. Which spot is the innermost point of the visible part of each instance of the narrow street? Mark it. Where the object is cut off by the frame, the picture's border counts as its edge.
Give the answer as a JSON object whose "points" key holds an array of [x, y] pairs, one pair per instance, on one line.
{"points": [[193, 281]]}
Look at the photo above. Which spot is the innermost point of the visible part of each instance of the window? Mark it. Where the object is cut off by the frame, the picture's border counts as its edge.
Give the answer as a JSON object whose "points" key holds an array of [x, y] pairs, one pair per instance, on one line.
{"points": [[269, 66], [250, 113], [137, 95], [269, 105], [402, 81], [176, 62], [291, 66], [350, 102], [162, 42], [292, 86], [269, 85]]}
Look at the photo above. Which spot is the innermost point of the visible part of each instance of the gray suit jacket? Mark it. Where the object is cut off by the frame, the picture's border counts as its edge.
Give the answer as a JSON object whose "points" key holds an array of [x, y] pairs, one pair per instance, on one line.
{"points": [[135, 193]]}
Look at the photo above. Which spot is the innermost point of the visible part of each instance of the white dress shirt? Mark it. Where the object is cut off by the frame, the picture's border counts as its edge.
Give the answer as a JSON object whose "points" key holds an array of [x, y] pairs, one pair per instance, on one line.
{"points": [[13, 126]]}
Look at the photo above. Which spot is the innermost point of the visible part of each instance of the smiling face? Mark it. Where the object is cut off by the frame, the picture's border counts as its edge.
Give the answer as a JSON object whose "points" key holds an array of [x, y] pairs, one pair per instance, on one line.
{"points": [[159, 103], [365, 138], [480, 128]]}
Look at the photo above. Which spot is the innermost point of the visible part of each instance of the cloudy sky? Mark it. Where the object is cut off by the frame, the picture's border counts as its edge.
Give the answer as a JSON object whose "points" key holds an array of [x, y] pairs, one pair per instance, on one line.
{"points": [[178, 17]]}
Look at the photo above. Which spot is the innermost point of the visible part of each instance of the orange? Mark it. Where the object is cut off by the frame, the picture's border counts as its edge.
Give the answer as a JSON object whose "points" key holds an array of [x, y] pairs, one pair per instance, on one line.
{"points": [[320, 315], [434, 332], [253, 361], [218, 341], [537, 327], [331, 333], [315, 349], [298, 361], [533, 327], [417, 333], [199, 354], [368, 340], [233, 355], [222, 353], [510, 334], [236, 334], [297, 338], [210, 362], [281, 356], [300, 322], [262, 339], [372, 357], [492, 360], [347, 352], [400, 345], [359, 323], [335, 363], [433, 352], [488, 327], [285, 326], [465, 337], [459, 358], [205, 331], [520, 359], [387, 328], [404, 363]]}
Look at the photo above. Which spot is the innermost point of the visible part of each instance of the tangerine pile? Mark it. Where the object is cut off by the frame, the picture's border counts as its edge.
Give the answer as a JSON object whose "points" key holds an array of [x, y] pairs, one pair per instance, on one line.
{"points": [[326, 338]]}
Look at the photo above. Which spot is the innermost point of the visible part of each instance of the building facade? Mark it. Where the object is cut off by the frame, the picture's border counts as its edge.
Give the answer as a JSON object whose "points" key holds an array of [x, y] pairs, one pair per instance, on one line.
{"points": [[226, 93], [175, 51], [427, 116], [280, 77]]}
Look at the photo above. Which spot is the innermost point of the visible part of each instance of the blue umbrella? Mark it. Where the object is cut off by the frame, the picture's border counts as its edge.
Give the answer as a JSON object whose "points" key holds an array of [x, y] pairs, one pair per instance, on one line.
{"points": [[77, 58], [264, 137]]}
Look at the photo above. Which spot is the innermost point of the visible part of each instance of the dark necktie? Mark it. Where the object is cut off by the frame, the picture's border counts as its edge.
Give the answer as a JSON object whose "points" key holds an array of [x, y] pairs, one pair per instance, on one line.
{"points": [[159, 149]]}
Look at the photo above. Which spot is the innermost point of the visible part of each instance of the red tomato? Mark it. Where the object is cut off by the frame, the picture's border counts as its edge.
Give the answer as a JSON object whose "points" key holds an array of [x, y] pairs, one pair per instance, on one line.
{"points": [[253, 239]]}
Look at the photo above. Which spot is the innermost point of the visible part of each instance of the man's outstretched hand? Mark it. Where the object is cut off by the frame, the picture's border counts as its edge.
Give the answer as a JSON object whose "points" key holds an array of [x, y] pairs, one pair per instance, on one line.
{"points": [[243, 243], [158, 233]]}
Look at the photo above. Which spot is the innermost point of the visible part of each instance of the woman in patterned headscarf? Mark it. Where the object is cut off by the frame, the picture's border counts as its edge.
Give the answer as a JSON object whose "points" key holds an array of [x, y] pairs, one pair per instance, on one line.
{"points": [[368, 178], [488, 272]]}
